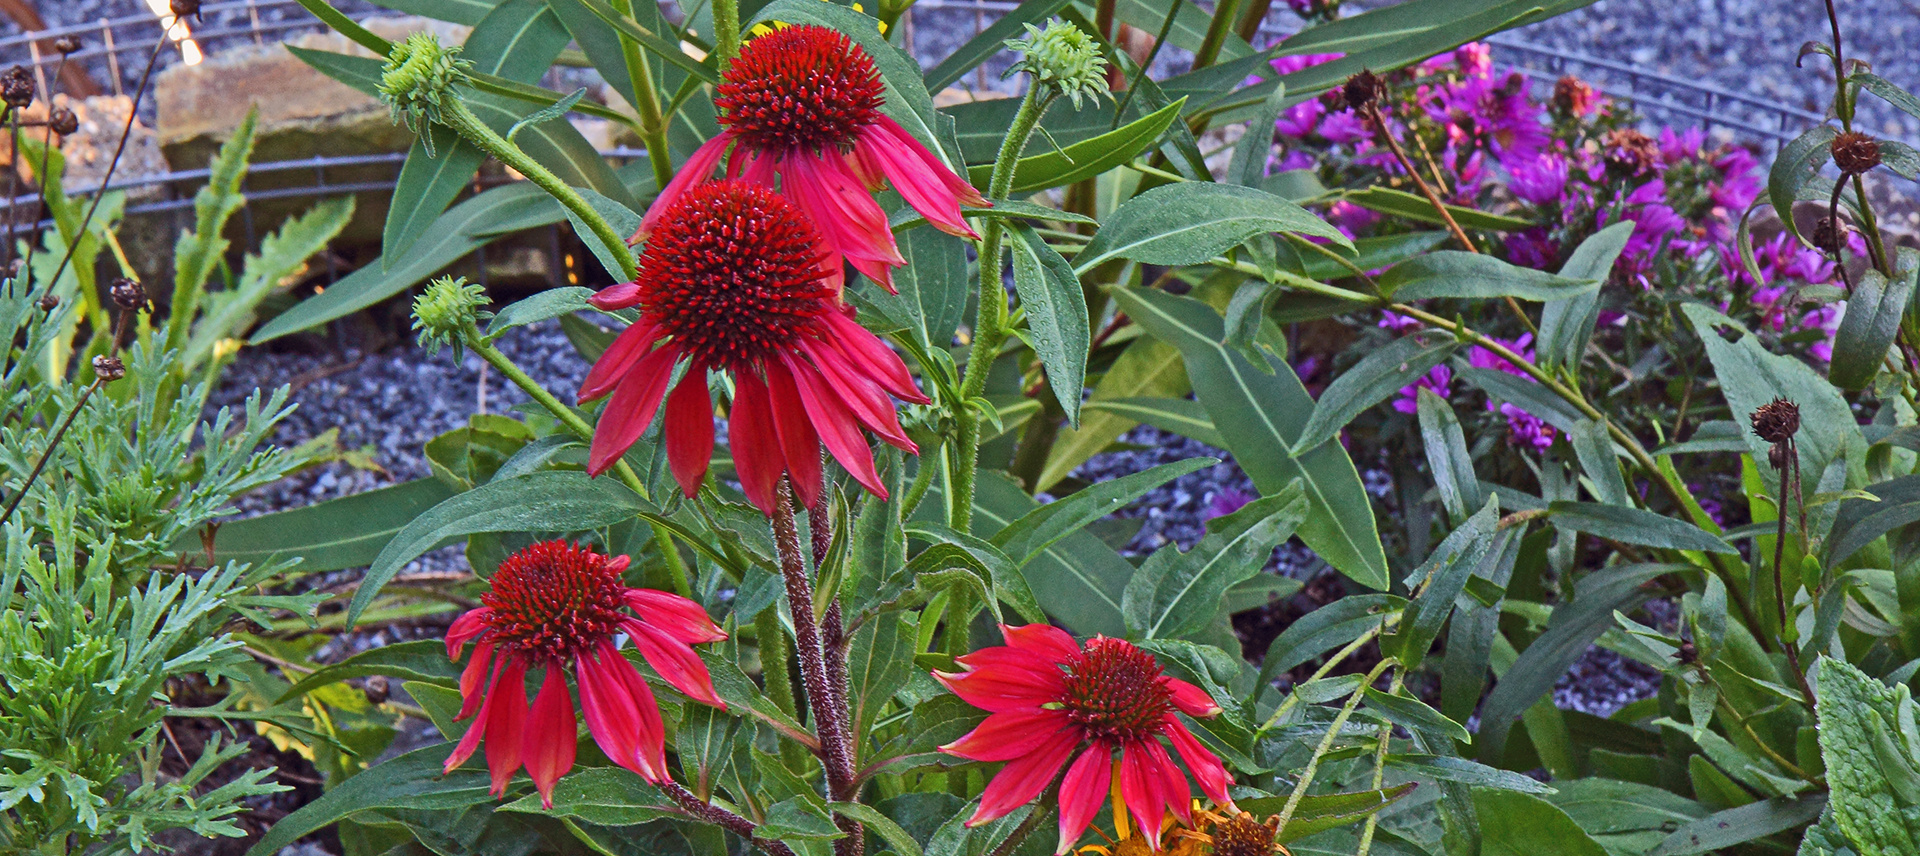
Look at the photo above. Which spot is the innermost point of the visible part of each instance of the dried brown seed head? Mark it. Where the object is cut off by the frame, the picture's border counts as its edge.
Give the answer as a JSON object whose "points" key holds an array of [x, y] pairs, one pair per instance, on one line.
{"points": [[63, 122], [49, 302], [1777, 420], [1628, 152], [128, 293], [1572, 96], [1855, 153], [377, 689], [16, 87], [1827, 237], [1363, 90], [108, 369], [185, 8], [1241, 835], [67, 44]]}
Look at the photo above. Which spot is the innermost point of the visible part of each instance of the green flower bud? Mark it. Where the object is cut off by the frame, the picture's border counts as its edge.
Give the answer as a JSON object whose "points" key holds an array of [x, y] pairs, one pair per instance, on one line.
{"points": [[448, 311], [419, 76], [1063, 58]]}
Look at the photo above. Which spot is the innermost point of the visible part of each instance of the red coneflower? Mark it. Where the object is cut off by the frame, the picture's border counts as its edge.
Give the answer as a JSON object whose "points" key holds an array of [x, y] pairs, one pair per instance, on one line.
{"points": [[733, 280], [803, 104], [556, 606], [1049, 697]]}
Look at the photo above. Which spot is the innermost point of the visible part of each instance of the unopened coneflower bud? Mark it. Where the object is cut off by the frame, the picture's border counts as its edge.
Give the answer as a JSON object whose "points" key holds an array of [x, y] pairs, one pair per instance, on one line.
{"points": [[1777, 456], [67, 44], [49, 302], [128, 293], [108, 369], [63, 122], [376, 689], [185, 8], [1061, 57], [1855, 153], [420, 74], [447, 311], [1777, 420], [16, 87], [1363, 90], [1241, 835]]}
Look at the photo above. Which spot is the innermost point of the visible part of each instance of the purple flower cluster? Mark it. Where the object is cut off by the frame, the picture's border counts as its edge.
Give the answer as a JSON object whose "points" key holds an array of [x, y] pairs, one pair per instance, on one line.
{"points": [[1523, 428]]}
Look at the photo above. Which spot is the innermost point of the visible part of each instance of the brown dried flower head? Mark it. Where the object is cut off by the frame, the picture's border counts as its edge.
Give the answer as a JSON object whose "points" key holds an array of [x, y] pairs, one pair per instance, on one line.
{"points": [[128, 293], [1572, 96], [1241, 835], [108, 369], [185, 8], [63, 122], [1628, 152], [67, 44], [49, 302], [16, 87], [1826, 237], [1855, 153], [1777, 420], [1363, 90]]}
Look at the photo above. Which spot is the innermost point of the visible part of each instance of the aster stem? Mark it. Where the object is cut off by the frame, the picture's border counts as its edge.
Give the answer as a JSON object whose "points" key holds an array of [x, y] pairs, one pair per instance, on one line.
{"points": [[653, 123], [989, 328], [454, 114], [827, 723], [1380, 768], [1326, 741], [483, 347], [718, 816]]}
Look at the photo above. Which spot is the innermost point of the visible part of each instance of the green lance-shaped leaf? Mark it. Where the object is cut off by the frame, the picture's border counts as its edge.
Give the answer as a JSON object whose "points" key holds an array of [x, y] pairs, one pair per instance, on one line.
{"points": [[1177, 594], [1447, 456], [1458, 274], [1261, 415], [1441, 580], [1374, 379], [1049, 166], [1634, 526], [1516, 824], [1191, 222], [1860, 522], [553, 501], [1796, 164], [1594, 448], [1056, 311], [1043, 527], [1248, 166], [544, 305], [424, 661], [327, 536], [1739, 825], [1871, 322], [1567, 323]]}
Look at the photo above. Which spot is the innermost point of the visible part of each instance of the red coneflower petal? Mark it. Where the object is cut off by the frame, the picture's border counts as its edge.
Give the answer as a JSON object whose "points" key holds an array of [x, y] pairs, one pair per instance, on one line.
{"points": [[506, 720], [861, 397], [878, 361], [477, 670], [677, 664], [1085, 787], [464, 628], [1205, 766], [799, 442], [1002, 690], [549, 745], [1141, 788], [848, 218], [1192, 700], [918, 175], [653, 735], [617, 296], [674, 615], [1045, 640], [697, 169], [1173, 783], [613, 714], [689, 430], [839, 428], [1020, 781], [471, 740], [631, 409], [627, 348], [750, 435], [1014, 734]]}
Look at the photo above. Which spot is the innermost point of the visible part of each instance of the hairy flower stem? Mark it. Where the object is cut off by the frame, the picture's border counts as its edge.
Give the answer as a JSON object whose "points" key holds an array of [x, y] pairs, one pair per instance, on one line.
{"points": [[710, 813], [454, 114], [1381, 130], [653, 123], [989, 328], [835, 746], [1326, 741], [1780, 538], [13, 185], [726, 31], [483, 347]]}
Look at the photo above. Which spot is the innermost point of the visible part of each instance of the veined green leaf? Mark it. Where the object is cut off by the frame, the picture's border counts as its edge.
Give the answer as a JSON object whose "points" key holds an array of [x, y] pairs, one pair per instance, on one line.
{"points": [[1043, 527], [1871, 322], [411, 781], [1191, 222], [1796, 164], [1084, 159], [1181, 416], [327, 536], [1440, 580], [1376, 377], [1517, 824], [1474, 276], [1567, 323], [1056, 313], [1634, 526], [1177, 594]]}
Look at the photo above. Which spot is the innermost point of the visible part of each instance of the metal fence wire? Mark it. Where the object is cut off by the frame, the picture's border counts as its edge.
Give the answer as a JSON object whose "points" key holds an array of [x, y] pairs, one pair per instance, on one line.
{"points": [[121, 46]]}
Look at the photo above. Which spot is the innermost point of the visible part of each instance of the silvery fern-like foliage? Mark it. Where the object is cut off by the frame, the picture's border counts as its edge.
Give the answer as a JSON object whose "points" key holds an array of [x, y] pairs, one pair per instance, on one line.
{"points": [[100, 608]]}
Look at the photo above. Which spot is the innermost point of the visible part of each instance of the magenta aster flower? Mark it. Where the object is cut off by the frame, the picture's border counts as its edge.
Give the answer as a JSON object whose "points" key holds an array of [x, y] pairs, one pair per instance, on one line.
{"points": [[557, 608]]}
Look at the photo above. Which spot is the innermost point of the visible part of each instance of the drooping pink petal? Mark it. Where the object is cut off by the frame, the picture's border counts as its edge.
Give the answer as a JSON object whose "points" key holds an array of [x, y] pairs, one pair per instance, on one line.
{"points": [[653, 735], [1141, 788], [696, 170], [631, 409], [750, 435], [839, 428], [613, 715], [866, 350], [549, 746], [677, 664], [848, 218], [799, 443], [1021, 780], [464, 628], [1085, 787], [920, 177], [617, 296], [1173, 784], [1011, 735], [1044, 640], [505, 723], [471, 739], [1203, 764], [674, 615], [864, 400], [627, 348], [470, 677], [1192, 700], [689, 430]]}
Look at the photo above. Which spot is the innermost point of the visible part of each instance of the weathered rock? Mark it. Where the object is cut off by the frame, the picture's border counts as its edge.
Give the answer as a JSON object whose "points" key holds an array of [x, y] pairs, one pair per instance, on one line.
{"points": [[89, 149]]}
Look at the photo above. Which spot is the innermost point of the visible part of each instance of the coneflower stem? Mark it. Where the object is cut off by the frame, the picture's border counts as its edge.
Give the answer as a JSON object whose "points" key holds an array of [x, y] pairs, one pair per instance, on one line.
{"points": [[726, 31], [454, 114], [835, 748], [720, 817], [676, 567], [646, 103], [990, 322]]}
